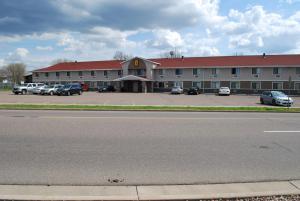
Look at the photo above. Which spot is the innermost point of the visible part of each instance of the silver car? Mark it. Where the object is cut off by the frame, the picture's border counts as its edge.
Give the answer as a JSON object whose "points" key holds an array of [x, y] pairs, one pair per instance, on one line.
{"points": [[51, 90], [177, 90], [276, 98], [38, 88]]}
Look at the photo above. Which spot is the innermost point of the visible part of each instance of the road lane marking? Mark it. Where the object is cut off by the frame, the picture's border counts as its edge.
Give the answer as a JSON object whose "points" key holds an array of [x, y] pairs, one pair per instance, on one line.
{"points": [[281, 131]]}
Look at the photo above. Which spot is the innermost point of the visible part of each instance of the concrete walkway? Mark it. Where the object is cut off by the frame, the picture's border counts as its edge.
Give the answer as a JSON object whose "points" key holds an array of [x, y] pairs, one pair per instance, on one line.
{"points": [[173, 192]]}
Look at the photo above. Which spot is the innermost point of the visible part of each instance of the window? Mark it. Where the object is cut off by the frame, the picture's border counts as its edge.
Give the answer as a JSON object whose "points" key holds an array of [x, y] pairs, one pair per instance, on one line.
{"points": [[178, 71], [68, 74], [297, 85], [119, 73], [139, 72], [161, 72], [235, 71], [105, 73], [196, 71], [276, 71], [298, 71], [215, 84], [278, 85], [178, 84], [214, 71], [161, 85], [57, 74], [234, 85], [255, 71], [93, 73], [80, 73], [46, 74], [197, 84], [255, 85]]}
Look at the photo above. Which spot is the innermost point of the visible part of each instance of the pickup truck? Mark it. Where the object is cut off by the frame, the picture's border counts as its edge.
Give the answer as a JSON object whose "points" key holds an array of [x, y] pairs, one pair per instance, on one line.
{"points": [[25, 88]]}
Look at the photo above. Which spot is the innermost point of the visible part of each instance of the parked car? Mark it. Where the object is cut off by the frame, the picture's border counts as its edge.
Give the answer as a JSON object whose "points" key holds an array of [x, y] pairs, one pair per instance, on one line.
{"points": [[70, 89], [224, 91], [25, 88], [108, 88], [38, 88], [276, 98], [51, 90], [177, 90], [194, 91]]}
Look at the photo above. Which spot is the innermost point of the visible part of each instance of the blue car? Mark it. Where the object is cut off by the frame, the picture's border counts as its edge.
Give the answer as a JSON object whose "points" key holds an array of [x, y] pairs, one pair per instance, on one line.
{"points": [[276, 98]]}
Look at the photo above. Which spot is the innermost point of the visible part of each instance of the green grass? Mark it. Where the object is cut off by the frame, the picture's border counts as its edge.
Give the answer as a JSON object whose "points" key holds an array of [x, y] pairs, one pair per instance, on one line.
{"points": [[142, 108]]}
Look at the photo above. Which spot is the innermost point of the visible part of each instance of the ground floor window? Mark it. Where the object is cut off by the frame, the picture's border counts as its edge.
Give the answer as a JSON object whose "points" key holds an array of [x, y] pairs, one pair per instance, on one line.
{"points": [[178, 84], [255, 85], [215, 84], [234, 85], [161, 85], [297, 86], [197, 84], [277, 85], [102, 84]]}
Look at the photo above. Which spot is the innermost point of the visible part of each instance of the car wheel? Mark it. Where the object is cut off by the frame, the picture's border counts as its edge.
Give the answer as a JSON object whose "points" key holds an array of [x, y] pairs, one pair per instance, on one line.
{"points": [[24, 91], [273, 102], [16, 93], [68, 94], [51, 93], [261, 101]]}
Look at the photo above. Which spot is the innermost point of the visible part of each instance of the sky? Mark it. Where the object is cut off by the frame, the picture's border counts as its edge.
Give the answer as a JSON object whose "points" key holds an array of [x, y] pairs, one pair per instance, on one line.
{"points": [[37, 32]]}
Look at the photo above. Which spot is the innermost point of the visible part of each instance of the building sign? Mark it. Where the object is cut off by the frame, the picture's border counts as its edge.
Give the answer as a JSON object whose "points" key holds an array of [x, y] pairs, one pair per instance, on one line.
{"points": [[136, 63]]}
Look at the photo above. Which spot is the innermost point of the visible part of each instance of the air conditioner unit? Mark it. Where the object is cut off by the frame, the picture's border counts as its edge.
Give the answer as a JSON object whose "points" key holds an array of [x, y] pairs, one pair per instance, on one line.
{"points": [[161, 76], [178, 76], [277, 75], [196, 75], [256, 75]]}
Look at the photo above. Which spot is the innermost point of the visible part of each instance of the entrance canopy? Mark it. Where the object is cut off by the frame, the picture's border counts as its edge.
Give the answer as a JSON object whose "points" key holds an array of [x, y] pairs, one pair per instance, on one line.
{"points": [[131, 78]]}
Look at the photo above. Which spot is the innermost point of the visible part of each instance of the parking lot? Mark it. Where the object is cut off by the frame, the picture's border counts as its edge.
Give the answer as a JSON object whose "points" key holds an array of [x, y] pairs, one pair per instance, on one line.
{"points": [[138, 99]]}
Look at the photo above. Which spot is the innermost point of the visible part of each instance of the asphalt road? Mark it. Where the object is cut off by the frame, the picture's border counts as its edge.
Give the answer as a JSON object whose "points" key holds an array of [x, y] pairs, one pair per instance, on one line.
{"points": [[122, 148]]}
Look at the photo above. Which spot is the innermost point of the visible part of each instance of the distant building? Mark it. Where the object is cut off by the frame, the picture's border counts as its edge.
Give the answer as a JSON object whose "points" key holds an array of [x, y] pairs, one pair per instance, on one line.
{"points": [[242, 74]]}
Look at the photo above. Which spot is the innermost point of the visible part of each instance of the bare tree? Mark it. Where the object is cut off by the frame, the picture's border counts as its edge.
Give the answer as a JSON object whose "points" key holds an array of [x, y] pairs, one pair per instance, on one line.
{"points": [[119, 55], [15, 72], [58, 61], [171, 54]]}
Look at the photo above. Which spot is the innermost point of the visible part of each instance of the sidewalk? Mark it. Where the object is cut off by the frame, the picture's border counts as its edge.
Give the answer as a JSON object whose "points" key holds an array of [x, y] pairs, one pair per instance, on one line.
{"points": [[170, 192]]}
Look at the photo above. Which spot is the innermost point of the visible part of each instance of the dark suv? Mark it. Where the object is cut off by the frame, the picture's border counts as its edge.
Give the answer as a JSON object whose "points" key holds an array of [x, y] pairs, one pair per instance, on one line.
{"points": [[108, 88], [70, 89]]}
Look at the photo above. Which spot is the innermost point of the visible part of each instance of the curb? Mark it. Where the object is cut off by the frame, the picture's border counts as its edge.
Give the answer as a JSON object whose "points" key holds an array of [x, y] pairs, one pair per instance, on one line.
{"points": [[164, 192]]}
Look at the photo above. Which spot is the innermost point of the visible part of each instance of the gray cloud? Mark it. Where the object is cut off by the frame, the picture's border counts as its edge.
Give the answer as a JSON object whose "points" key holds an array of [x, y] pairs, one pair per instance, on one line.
{"points": [[38, 16]]}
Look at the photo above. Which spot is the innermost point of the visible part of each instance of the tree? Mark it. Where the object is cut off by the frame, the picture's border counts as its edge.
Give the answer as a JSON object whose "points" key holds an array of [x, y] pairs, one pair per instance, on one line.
{"points": [[171, 54], [119, 55], [58, 61], [15, 72]]}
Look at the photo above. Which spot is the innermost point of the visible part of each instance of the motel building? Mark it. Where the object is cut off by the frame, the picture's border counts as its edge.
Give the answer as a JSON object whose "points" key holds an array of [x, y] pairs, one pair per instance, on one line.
{"points": [[242, 74]]}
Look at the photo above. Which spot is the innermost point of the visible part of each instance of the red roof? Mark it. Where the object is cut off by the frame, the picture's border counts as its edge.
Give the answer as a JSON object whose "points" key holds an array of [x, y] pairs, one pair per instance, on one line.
{"points": [[186, 62]]}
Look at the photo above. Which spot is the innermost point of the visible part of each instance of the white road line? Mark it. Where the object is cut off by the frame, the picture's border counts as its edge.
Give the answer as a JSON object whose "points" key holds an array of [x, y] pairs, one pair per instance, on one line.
{"points": [[281, 131]]}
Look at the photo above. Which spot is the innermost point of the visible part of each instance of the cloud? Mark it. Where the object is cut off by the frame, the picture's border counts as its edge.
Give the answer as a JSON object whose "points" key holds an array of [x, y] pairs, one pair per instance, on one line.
{"points": [[164, 39], [44, 48]]}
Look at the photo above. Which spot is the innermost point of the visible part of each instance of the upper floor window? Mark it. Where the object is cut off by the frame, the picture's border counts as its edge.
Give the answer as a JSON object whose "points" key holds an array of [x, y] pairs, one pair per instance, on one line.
{"points": [[276, 71], [214, 71], [196, 71], [57, 74], [36, 74], [255, 71], [92, 73], [105, 73], [80, 73], [298, 71], [46, 74], [68, 74], [178, 71], [161, 71], [235, 71], [119, 73]]}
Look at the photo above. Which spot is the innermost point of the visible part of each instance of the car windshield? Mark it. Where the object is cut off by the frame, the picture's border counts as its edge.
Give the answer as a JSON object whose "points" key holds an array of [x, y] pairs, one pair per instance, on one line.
{"points": [[224, 88], [67, 86], [278, 94]]}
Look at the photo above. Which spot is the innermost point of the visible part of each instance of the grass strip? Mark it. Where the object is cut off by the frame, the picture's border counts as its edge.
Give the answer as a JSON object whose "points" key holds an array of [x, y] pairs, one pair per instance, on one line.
{"points": [[144, 108]]}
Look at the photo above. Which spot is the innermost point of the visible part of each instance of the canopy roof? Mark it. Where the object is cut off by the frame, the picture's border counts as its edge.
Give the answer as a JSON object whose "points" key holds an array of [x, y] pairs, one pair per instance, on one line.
{"points": [[131, 78]]}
